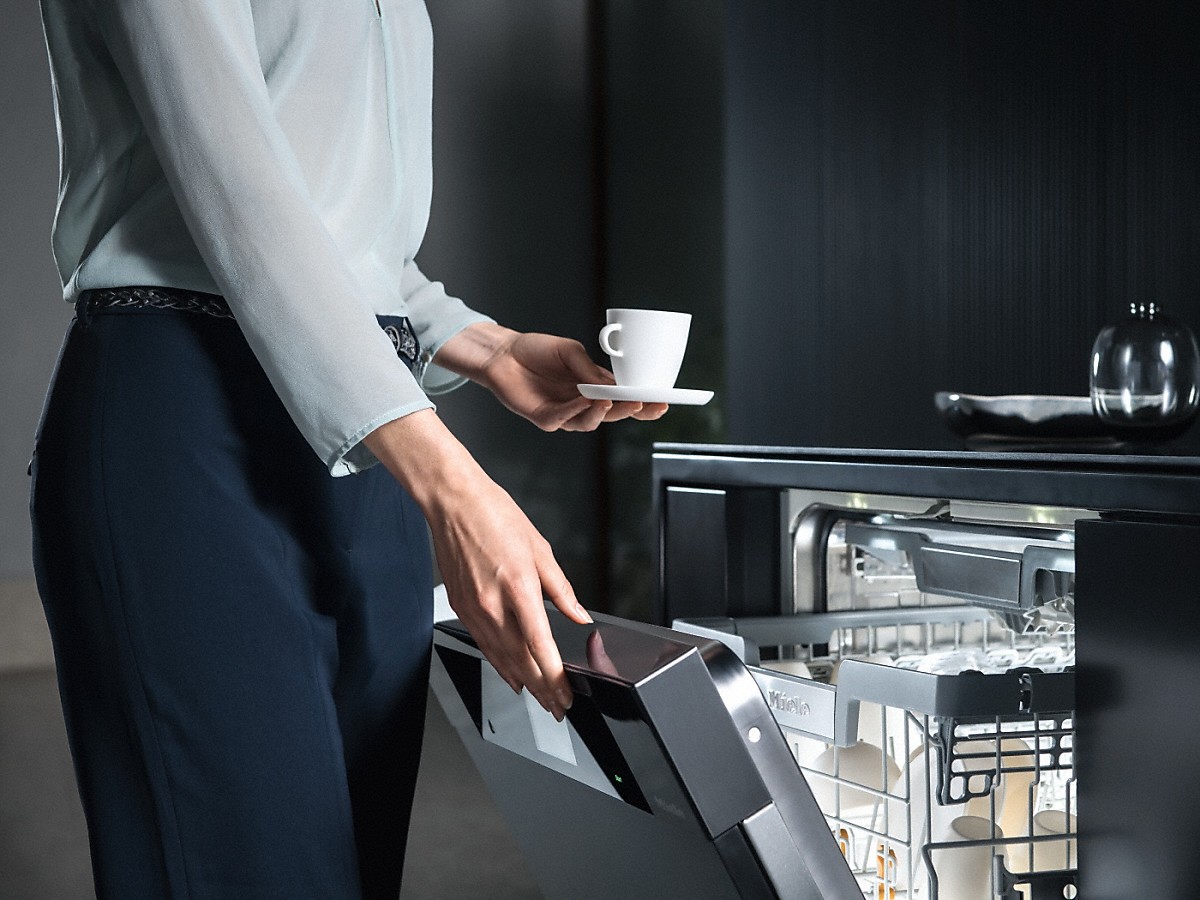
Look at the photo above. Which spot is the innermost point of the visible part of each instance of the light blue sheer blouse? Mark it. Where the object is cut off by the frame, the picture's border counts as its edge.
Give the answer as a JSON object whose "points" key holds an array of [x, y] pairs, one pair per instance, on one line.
{"points": [[277, 152]]}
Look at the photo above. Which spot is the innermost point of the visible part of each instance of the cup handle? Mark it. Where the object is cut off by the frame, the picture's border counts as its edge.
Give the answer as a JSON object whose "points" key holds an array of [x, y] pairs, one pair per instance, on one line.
{"points": [[606, 334]]}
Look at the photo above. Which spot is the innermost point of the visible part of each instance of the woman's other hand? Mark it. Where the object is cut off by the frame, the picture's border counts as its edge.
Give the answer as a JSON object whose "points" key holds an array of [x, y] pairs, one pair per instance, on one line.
{"points": [[537, 377]]}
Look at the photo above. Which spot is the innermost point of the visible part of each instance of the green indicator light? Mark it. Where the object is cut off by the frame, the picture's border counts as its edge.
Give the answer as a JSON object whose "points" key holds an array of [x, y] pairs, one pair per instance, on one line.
{"points": [[618, 779]]}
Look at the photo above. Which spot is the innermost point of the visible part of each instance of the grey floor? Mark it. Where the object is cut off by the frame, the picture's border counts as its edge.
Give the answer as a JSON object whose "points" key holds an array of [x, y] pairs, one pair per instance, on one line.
{"points": [[459, 847]]}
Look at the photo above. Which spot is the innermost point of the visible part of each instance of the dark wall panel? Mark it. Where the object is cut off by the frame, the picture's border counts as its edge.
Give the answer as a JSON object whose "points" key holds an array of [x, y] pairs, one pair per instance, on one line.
{"points": [[659, 97], [512, 233], [931, 195]]}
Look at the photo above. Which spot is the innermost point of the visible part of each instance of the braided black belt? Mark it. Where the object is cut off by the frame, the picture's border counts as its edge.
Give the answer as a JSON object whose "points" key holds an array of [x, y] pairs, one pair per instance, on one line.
{"points": [[101, 300]]}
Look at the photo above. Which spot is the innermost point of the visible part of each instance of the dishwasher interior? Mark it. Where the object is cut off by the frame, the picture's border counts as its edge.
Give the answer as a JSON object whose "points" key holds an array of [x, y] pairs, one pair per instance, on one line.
{"points": [[922, 671]]}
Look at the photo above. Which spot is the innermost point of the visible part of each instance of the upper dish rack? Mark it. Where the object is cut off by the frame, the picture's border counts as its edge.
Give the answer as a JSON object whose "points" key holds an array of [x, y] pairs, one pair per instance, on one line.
{"points": [[1022, 571]]}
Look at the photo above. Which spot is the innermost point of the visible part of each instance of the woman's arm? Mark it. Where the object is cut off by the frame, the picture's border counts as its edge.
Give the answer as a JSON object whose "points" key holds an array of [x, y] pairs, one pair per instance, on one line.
{"points": [[496, 565]]}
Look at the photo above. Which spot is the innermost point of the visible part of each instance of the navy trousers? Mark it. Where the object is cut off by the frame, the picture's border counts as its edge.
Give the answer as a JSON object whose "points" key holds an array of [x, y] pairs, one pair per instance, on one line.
{"points": [[242, 641]]}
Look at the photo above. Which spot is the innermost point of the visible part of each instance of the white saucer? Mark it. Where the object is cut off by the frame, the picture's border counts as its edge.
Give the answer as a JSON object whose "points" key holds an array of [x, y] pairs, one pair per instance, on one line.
{"points": [[678, 396]]}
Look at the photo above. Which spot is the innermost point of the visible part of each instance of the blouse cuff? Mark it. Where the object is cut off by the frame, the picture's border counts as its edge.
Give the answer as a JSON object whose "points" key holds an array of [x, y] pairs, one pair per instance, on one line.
{"points": [[432, 377], [354, 456]]}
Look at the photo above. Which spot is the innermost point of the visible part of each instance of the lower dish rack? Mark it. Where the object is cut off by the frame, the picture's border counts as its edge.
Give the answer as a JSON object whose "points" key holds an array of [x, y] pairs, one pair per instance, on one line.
{"points": [[938, 743]]}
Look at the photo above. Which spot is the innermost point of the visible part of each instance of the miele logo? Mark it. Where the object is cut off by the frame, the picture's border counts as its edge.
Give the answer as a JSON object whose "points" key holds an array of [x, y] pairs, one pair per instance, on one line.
{"points": [[667, 806], [787, 703]]}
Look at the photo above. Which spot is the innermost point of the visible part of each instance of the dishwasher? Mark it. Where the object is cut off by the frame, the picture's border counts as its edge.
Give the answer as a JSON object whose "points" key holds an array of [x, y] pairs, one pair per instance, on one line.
{"points": [[873, 674]]}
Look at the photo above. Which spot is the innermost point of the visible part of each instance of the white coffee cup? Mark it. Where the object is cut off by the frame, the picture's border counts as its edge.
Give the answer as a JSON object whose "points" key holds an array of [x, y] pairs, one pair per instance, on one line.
{"points": [[1020, 788], [1045, 856], [907, 821], [975, 761], [645, 346], [1053, 855], [965, 873], [861, 764], [919, 783]]}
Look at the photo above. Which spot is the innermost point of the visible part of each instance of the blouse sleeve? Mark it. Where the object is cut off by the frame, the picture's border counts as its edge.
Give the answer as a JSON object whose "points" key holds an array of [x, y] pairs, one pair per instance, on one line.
{"points": [[193, 72], [436, 317]]}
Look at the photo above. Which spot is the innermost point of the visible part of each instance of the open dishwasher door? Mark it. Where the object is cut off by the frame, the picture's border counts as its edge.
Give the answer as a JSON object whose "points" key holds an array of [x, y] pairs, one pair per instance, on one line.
{"points": [[668, 778]]}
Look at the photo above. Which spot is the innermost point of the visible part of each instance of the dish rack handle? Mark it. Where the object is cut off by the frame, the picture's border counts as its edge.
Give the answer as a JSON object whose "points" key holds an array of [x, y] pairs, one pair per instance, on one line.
{"points": [[1020, 579]]}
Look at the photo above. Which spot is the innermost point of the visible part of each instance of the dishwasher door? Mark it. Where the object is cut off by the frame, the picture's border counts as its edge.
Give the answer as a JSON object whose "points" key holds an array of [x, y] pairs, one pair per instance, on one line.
{"points": [[668, 778]]}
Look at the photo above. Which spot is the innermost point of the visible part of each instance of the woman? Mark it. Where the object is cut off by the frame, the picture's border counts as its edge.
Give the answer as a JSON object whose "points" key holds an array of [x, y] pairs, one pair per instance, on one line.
{"points": [[242, 640]]}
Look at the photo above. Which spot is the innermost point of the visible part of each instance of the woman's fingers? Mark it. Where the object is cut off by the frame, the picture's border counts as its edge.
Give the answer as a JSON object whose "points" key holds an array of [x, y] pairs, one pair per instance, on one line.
{"points": [[560, 416], [623, 409], [498, 571], [546, 679], [538, 657], [559, 592], [601, 411], [590, 418], [650, 411], [521, 650], [580, 365]]}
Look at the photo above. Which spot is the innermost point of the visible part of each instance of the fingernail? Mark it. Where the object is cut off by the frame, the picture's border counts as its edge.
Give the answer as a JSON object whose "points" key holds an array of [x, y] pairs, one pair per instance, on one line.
{"points": [[565, 698], [583, 612]]}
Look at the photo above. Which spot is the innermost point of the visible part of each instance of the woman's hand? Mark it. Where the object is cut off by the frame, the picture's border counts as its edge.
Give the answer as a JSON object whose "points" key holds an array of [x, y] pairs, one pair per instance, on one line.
{"points": [[536, 376], [496, 565]]}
